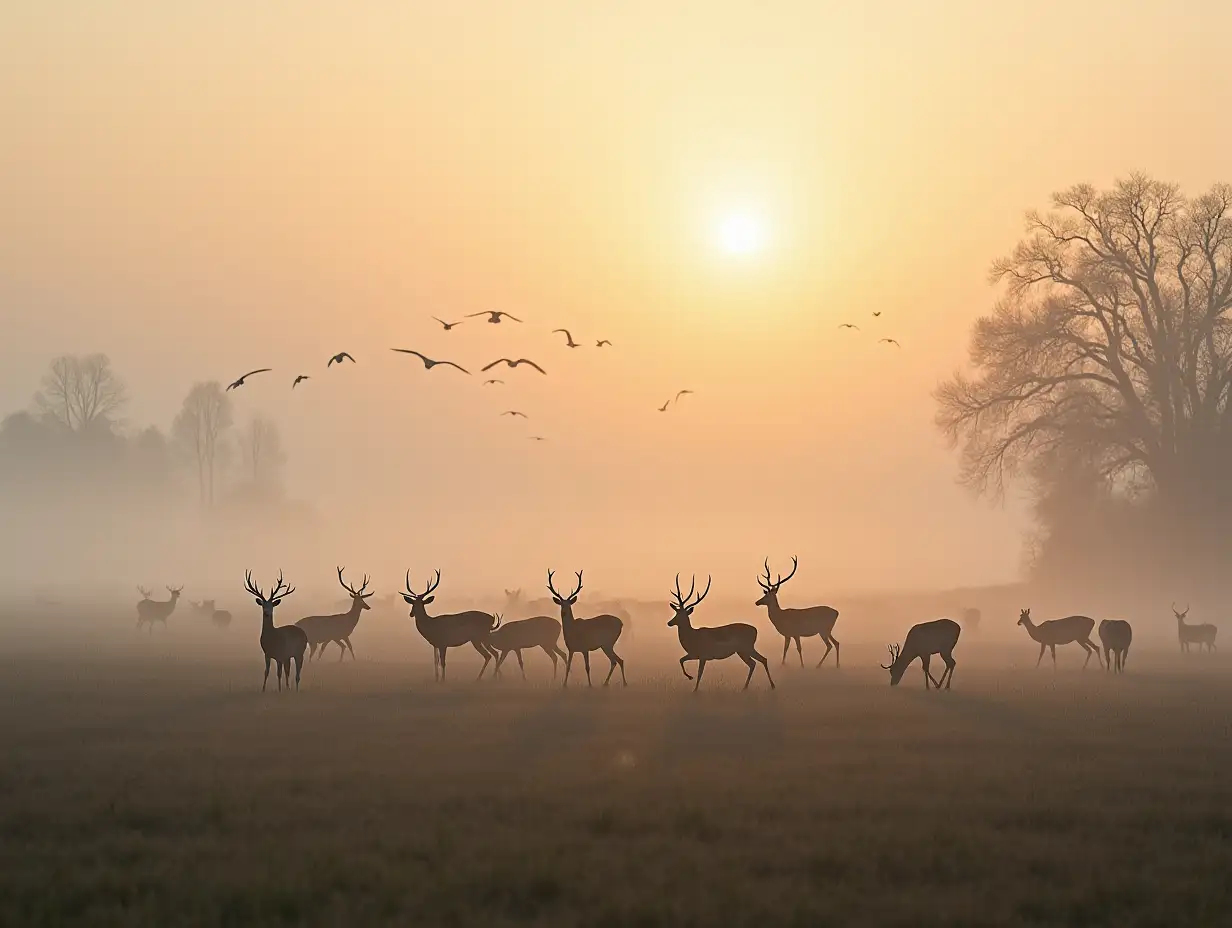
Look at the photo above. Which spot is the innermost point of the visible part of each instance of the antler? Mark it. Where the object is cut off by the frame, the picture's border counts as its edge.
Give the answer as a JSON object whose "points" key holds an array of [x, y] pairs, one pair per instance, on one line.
{"points": [[552, 589], [1180, 614], [705, 592], [895, 651], [281, 589], [766, 583], [677, 597], [174, 589], [252, 587], [351, 589], [433, 584], [781, 580], [681, 600], [143, 591]]}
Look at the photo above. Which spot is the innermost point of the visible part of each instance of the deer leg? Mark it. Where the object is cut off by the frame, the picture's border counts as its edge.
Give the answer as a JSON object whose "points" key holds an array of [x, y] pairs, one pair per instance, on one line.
{"points": [[586, 661], [701, 669], [752, 665], [687, 657], [487, 657], [299, 662], [949, 668], [1086, 648], [568, 667], [1053, 648], [551, 653], [521, 666], [799, 651], [443, 652], [829, 648], [350, 646], [836, 649], [765, 665], [266, 680], [496, 671], [612, 656], [786, 645], [924, 666]]}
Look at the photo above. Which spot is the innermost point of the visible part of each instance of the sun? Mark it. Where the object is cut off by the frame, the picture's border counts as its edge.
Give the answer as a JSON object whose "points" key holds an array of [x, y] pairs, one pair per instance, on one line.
{"points": [[741, 234]]}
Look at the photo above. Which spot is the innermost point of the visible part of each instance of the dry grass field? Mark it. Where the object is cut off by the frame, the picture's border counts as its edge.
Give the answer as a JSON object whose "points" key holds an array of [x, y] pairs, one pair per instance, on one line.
{"points": [[145, 780]]}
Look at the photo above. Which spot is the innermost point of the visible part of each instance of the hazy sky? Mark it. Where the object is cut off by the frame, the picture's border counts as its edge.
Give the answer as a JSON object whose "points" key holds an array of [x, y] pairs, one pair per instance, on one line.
{"points": [[200, 188]]}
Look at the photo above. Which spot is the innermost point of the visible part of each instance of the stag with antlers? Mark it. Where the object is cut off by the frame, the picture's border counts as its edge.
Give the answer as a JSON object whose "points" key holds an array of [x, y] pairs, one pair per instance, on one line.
{"points": [[922, 641], [323, 629], [150, 610], [794, 624], [1201, 635], [443, 632], [598, 633], [280, 643], [715, 643]]}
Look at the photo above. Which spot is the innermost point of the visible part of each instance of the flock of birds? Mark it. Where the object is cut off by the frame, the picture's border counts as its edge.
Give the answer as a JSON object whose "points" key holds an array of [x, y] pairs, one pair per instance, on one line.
{"points": [[880, 341], [494, 317], [494, 639]]}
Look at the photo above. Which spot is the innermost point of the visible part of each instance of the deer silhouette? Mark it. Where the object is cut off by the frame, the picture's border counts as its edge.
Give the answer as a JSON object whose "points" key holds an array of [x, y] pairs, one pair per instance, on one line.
{"points": [[794, 624]]}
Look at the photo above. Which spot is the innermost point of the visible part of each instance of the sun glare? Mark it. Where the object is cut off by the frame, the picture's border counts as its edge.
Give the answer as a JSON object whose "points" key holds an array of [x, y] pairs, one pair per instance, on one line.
{"points": [[741, 234]]}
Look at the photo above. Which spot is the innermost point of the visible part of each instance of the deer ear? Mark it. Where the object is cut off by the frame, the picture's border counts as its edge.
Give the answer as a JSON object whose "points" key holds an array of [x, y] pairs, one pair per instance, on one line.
{"points": [[428, 599], [689, 611], [277, 602], [258, 602], [557, 600], [407, 599]]}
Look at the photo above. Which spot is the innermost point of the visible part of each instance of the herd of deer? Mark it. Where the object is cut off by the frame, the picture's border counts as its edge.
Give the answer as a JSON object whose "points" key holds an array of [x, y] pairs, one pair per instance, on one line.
{"points": [[495, 640]]}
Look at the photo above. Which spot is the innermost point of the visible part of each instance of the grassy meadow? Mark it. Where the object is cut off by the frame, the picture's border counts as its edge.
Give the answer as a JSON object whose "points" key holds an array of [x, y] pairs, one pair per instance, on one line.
{"points": [[146, 780]]}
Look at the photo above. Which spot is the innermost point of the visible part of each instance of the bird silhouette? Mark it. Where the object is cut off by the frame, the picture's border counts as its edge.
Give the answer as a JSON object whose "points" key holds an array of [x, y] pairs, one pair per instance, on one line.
{"points": [[601, 342], [682, 393], [848, 325], [339, 358], [890, 341], [298, 379], [494, 316], [447, 325], [537, 438], [514, 412], [240, 382], [876, 314], [429, 363], [513, 363], [569, 342], [487, 383], [663, 408]]}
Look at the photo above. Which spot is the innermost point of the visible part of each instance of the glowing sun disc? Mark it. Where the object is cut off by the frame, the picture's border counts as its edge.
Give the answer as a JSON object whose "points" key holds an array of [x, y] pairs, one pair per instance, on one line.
{"points": [[741, 234]]}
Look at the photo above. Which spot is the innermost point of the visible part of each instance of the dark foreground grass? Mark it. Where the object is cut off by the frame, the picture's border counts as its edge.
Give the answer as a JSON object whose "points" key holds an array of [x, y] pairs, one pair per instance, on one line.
{"points": [[176, 794]]}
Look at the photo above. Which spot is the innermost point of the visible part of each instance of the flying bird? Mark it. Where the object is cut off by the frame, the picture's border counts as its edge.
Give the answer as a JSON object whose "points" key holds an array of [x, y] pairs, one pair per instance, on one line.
{"points": [[447, 325], [240, 382], [601, 342], [298, 379], [569, 342], [848, 325], [513, 363], [682, 393], [429, 363], [487, 383], [890, 341], [876, 314], [514, 412], [663, 408], [537, 438], [339, 358], [494, 316]]}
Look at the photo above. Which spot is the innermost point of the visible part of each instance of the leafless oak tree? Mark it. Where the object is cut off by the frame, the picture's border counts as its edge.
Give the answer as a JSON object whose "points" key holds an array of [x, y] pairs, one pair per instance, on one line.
{"points": [[79, 391], [200, 427]]}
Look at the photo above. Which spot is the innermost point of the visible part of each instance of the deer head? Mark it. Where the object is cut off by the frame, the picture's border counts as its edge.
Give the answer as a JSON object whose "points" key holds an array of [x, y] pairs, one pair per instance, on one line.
{"points": [[1180, 616], [770, 588], [175, 592], [276, 595], [683, 603], [1024, 617], [417, 601], [566, 603], [896, 666], [359, 599]]}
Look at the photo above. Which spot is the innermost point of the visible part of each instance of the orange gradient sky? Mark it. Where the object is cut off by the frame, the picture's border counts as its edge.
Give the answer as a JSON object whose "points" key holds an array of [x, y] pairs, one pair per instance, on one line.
{"points": [[201, 188]]}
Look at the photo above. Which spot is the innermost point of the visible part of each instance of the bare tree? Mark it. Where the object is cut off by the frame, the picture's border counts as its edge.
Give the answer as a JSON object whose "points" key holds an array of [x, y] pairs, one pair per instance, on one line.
{"points": [[200, 428], [79, 392], [1110, 351], [262, 449]]}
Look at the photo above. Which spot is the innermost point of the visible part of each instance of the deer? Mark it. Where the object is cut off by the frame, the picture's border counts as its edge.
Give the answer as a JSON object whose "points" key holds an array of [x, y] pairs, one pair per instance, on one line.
{"points": [[923, 641], [598, 633], [715, 643], [150, 611], [323, 629], [280, 643], [207, 609], [794, 624], [1071, 629], [449, 631], [1193, 634], [1115, 635], [540, 631]]}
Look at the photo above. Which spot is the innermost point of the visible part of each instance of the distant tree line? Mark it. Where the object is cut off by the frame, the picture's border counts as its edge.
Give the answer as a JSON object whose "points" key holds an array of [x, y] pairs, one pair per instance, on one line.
{"points": [[1103, 383], [73, 439]]}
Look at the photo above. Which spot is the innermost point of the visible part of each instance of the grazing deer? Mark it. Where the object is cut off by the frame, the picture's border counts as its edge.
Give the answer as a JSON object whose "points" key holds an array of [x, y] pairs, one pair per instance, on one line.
{"points": [[1193, 634], [449, 631], [541, 631], [1115, 635], [1071, 629], [206, 608], [715, 643], [923, 641], [323, 629], [599, 633], [150, 611], [280, 643], [794, 624]]}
